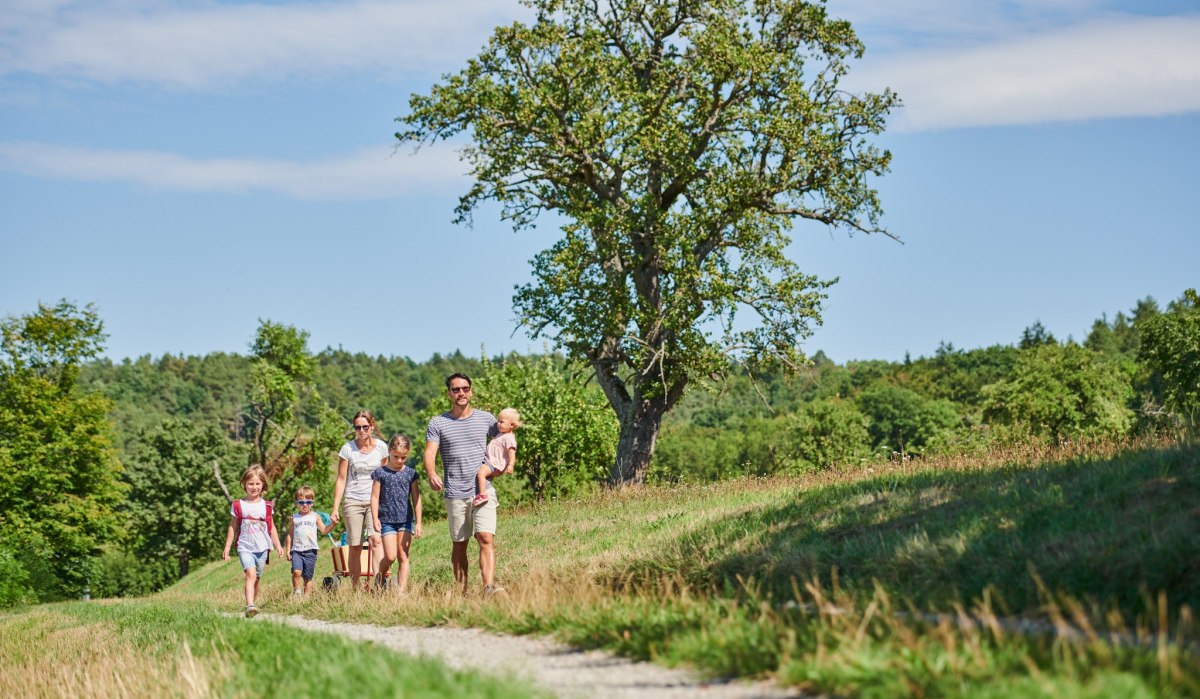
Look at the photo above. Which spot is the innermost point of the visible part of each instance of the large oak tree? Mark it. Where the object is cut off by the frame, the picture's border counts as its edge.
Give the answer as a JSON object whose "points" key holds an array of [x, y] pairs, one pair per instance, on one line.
{"points": [[680, 141]]}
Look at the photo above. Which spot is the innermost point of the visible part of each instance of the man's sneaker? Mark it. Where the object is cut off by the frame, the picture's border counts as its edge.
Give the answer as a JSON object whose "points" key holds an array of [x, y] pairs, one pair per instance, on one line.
{"points": [[492, 590], [251, 610], [480, 499], [298, 592]]}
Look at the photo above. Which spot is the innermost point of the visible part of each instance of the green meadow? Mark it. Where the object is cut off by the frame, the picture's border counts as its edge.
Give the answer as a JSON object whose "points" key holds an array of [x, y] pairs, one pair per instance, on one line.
{"points": [[1071, 571]]}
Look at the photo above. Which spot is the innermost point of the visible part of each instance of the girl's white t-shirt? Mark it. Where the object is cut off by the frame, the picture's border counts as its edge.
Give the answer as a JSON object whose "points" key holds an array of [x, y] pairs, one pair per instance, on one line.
{"points": [[360, 465], [253, 536]]}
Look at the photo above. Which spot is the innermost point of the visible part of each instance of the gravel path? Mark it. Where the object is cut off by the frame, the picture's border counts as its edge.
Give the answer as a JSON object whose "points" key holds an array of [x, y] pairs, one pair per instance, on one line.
{"points": [[568, 672]]}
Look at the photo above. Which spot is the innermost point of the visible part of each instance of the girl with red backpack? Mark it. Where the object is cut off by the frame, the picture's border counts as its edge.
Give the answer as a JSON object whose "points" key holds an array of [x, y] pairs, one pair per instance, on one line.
{"points": [[252, 526]]}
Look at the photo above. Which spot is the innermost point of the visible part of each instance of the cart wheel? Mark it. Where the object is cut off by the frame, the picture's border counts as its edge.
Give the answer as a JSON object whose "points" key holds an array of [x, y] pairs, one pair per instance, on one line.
{"points": [[330, 584]]}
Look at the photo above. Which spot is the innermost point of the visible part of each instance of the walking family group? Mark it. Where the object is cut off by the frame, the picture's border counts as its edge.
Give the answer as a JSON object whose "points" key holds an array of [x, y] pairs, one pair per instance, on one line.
{"points": [[377, 498]]}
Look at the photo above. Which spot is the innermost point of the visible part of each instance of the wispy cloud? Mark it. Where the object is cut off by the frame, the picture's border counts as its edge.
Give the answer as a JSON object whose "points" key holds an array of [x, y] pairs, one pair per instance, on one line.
{"points": [[372, 173], [1115, 67], [954, 64], [209, 46], [914, 24]]}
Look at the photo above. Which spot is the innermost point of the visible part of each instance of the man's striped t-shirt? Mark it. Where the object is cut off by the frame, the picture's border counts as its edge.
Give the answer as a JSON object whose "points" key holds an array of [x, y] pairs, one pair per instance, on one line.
{"points": [[463, 446]]}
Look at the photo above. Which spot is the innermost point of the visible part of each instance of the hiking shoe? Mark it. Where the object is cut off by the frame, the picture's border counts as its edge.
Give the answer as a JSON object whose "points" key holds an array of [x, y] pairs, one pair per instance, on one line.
{"points": [[251, 610], [480, 499]]}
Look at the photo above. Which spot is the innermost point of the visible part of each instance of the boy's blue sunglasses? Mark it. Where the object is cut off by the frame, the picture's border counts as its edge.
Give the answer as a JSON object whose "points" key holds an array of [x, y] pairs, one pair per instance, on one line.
{"points": [[304, 502]]}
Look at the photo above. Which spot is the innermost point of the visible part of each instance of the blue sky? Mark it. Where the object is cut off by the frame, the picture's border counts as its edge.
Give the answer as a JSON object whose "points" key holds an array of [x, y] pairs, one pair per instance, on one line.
{"points": [[191, 167]]}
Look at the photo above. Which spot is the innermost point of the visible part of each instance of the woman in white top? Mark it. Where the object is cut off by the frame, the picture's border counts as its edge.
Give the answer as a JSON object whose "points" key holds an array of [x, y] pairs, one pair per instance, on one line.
{"points": [[358, 458]]}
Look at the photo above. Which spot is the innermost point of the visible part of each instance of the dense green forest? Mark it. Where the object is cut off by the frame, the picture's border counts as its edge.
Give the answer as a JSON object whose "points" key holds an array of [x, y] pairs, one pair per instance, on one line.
{"points": [[115, 476]]}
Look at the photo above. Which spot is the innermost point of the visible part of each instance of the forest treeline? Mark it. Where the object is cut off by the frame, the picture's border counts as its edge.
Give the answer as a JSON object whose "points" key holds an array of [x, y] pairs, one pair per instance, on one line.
{"points": [[123, 470]]}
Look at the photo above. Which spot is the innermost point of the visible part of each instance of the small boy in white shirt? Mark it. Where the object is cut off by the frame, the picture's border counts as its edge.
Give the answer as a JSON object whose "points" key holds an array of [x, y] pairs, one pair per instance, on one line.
{"points": [[301, 545]]}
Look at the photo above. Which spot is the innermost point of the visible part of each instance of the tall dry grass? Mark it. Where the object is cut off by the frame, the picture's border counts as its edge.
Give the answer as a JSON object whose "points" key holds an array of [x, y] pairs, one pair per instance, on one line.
{"points": [[810, 578], [48, 654]]}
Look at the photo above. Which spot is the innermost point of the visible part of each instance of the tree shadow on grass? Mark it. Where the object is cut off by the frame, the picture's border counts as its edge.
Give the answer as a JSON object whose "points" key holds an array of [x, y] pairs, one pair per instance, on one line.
{"points": [[1106, 531]]}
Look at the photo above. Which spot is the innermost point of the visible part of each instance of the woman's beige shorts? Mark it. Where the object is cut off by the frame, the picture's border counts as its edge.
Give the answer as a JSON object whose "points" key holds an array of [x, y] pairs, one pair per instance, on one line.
{"points": [[356, 516]]}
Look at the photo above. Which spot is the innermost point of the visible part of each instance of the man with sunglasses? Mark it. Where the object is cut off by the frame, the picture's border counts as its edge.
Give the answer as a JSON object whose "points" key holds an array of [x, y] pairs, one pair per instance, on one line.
{"points": [[460, 435]]}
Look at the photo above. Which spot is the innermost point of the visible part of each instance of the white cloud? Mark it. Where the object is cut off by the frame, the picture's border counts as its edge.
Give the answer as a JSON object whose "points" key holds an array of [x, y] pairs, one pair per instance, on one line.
{"points": [[211, 45], [954, 64], [924, 23], [1116, 67], [372, 173]]}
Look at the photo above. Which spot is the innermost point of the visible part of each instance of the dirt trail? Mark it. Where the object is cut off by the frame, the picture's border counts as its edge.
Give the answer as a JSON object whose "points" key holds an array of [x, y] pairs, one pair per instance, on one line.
{"points": [[569, 673]]}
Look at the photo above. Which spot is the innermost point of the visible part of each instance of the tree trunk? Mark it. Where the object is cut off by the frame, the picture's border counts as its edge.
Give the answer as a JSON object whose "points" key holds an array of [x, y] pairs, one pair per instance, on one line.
{"points": [[635, 447], [184, 560]]}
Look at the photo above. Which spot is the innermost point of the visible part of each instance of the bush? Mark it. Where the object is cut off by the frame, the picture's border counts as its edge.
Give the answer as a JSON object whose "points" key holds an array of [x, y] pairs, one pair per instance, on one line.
{"points": [[1171, 348], [696, 454], [1062, 392], [14, 582], [901, 420], [123, 574], [827, 432], [568, 441]]}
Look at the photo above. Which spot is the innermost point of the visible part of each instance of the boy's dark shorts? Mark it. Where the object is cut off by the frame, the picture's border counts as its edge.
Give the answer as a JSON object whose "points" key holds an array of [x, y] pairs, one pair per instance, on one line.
{"points": [[305, 562]]}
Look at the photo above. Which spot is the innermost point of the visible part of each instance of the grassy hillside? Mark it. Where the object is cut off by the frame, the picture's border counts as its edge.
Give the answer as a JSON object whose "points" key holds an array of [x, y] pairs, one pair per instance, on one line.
{"points": [[1041, 572], [178, 648]]}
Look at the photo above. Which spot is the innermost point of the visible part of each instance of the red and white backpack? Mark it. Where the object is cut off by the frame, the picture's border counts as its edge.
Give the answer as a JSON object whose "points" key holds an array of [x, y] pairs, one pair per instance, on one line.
{"points": [[237, 512]]}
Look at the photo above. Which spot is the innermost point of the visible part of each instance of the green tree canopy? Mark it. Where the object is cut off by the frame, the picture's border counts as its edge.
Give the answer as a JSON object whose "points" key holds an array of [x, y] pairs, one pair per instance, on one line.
{"points": [[904, 421], [1062, 391], [680, 142], [58, 467], [176, 510], [827, 432], [1170, 346], [53, 342], [295, 431], [569, 434]]}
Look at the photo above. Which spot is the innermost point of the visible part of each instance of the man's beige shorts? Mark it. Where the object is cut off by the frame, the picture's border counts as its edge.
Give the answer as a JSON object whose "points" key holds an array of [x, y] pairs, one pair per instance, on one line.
{"points": [[356, 517], [466, 520]]}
